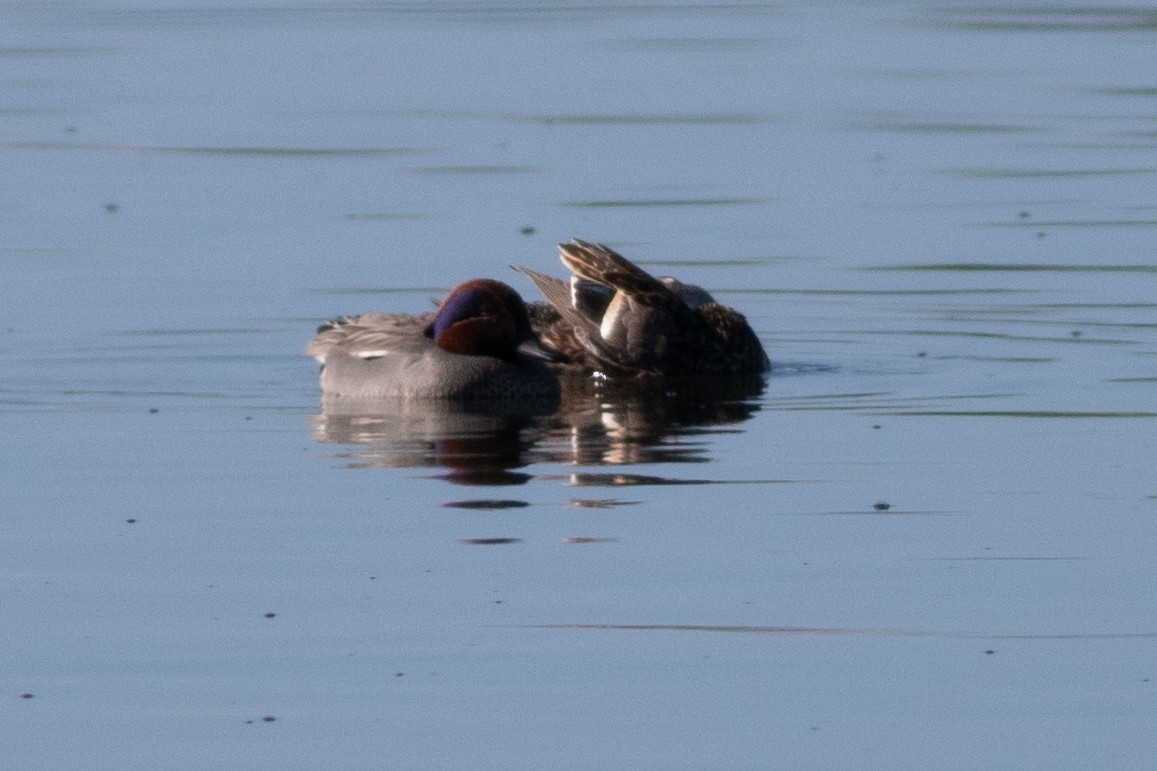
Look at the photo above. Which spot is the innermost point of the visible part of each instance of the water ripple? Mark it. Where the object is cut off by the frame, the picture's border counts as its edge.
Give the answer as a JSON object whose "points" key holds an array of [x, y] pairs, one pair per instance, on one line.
{"points": [[622, 203], [827, 631]]}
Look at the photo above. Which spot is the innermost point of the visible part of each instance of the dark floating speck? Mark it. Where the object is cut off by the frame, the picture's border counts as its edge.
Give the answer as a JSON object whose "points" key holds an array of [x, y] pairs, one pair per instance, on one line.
{"points": [[26, 695], [131, 521], [271, 615], [153, 410], [882, 506], [989, 652], [268, 718], [1024, 215], [1076, 333], [399, 674], [111, 208], [489, 541], [527, 230]]}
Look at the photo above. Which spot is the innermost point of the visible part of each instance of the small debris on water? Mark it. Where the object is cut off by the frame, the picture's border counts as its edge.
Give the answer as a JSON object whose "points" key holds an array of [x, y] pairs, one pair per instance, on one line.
{"points": [[882, 506]]}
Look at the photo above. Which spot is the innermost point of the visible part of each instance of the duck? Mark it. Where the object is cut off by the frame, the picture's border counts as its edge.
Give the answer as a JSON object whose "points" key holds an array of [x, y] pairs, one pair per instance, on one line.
{"points": [[615, 319], [477, 346]]}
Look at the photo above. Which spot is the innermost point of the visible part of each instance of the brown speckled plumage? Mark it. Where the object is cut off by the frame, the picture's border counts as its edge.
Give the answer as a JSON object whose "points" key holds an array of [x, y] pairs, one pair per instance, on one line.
{"points": [[617, 319]]}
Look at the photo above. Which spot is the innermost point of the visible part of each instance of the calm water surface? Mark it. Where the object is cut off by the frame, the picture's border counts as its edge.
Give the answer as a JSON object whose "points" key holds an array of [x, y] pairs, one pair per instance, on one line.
{"points": [[926, 542]]}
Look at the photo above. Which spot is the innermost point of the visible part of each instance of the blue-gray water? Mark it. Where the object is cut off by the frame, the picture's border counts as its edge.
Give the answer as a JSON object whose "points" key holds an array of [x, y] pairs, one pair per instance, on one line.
{"points": [[939, 217]]}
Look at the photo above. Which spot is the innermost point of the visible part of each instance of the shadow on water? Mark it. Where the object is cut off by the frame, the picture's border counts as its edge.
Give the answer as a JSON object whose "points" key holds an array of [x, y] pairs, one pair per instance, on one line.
{"points": [[596, 424]]}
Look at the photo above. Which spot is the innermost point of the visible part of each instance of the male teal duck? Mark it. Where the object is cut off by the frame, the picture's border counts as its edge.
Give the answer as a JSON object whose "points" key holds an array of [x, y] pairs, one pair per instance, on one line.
{"points": [[477, 346], [617, 319]]}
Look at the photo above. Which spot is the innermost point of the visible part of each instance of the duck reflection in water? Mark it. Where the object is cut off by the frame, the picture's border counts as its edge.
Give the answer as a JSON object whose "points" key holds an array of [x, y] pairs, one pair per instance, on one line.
{"points": [[476, 446], [599, 423]]}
